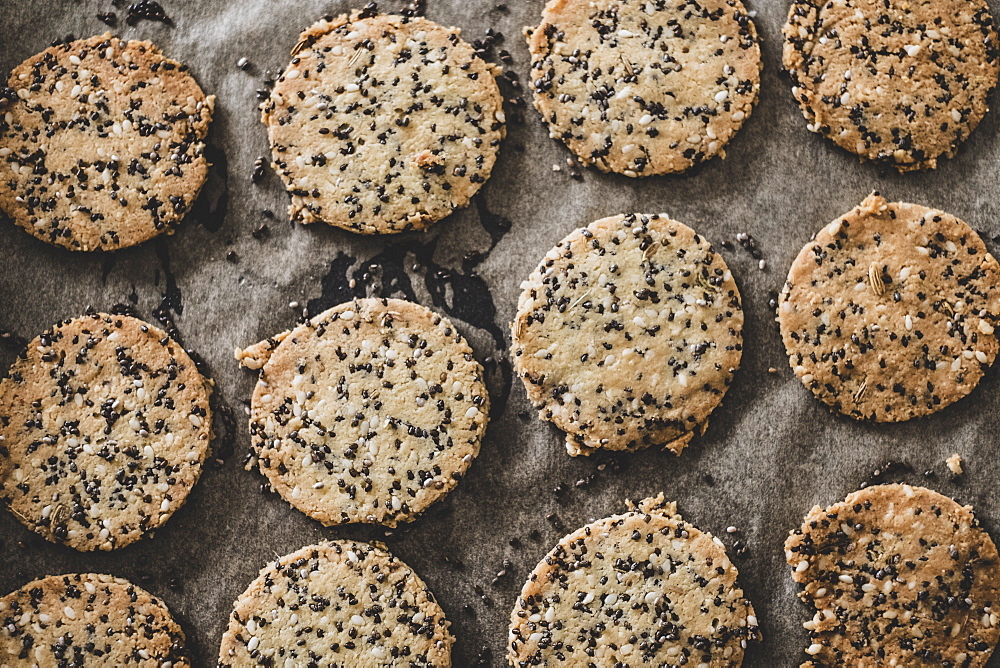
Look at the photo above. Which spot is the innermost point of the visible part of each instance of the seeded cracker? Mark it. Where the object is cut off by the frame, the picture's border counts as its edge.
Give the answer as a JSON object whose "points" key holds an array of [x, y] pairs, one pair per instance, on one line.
{"points": [[88, 620], [888, 313], [628, 334], [641, 588], [104, 426], [642, 87], [899, 82], [340, 603], [369, 412], [382, 124], [103, 146], [899, 575]]}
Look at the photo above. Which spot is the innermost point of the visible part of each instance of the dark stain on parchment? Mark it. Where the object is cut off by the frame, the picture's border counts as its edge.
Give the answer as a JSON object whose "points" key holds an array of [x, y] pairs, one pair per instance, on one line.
{"points": [[224, 424], [213, 202], [107, 265], [458, 292], [173, 300]]}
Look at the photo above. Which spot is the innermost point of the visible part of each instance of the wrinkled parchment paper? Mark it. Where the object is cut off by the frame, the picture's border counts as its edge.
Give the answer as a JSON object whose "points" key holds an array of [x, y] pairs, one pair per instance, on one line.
{"points": [[770, 453]]}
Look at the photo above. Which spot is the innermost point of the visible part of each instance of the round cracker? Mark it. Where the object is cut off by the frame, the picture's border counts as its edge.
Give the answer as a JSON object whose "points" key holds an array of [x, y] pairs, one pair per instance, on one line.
{"points": [[899, 575], [88, 620], [898, 82], [644, 587], [888, 313], [642, 88], [382, 123], [628, 334], [103, 146], [104, 426], [340, 603], [369, 412]]}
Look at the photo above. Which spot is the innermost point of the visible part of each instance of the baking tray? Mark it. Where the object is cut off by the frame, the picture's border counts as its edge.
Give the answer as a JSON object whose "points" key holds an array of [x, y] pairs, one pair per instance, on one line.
{"points": [[770, 453]]}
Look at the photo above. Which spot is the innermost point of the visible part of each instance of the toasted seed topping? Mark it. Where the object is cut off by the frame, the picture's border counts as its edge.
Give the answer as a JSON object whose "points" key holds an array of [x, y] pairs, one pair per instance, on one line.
{"points": [[88, 620], [103, 146], [898, 575], [888, 313], [641, 588], [341, 603], [104, 426], [644, 87], [369, 412], [628, 334], [383, 123], [899, 82]]}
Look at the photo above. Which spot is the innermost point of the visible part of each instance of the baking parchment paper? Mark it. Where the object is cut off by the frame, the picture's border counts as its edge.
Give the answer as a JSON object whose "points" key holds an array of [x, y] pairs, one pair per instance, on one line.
{"points": [[770, 453]]}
